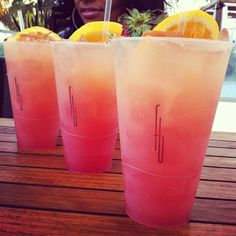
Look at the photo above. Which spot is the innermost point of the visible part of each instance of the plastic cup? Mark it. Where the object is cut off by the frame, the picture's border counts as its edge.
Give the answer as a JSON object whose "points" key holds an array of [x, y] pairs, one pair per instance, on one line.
{"points": [[33, 94], [167, 91], [87, 104]]}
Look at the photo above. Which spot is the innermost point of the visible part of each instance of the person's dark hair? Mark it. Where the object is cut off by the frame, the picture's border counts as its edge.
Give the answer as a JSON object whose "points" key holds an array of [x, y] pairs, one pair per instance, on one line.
{"points": [[66, 18], [62, 15]]}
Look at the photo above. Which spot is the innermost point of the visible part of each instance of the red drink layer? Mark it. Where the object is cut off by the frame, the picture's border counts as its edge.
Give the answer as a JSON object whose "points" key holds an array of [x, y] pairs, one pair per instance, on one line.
{"points": [[87, 104], [167, 89], [33, 93]]}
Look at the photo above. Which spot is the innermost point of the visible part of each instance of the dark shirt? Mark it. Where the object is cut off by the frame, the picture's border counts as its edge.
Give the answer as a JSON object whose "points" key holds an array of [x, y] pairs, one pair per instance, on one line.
{"points": [[66, 32]]}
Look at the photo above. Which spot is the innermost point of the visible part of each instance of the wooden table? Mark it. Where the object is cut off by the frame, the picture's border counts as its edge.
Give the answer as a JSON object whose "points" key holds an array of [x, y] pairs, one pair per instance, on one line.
{"points": [[38, 196]]}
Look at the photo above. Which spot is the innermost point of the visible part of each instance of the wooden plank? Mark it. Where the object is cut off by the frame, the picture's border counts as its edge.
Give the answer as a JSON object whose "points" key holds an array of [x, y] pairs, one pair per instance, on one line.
{"points": [[210, 189], [214, 211], [220, 162], [215, 135], [101, 202], [32, 160], [105, 181], [218, 174], [223, 136], [50, 162], [12, 148], [227, 141], [7, 129], [57, 162], [11, 137], [36, 222], [224, 152], [208, 173], [7, 137], [222, 144], [65, 199], [63, 178], [6, 122]]}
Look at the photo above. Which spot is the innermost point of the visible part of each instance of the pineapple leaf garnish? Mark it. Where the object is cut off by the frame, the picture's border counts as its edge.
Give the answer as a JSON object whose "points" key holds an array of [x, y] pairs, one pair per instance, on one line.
{"points": [[135, 23]]}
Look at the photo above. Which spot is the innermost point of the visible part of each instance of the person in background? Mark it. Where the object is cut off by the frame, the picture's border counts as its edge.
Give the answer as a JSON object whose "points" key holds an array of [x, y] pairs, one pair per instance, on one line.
{"points": [[79, 12], [5, 101]]}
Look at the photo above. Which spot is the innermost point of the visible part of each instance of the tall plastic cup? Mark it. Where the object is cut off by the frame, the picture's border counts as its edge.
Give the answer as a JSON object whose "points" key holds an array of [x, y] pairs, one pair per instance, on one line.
{"points": [[87, 104], [33, 94], [167, 90]]}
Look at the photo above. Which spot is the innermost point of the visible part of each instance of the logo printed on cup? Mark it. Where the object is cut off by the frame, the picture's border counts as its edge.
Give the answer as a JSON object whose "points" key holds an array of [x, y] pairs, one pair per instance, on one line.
{"points": [[73, 110], [18, 95], [159, 138]]}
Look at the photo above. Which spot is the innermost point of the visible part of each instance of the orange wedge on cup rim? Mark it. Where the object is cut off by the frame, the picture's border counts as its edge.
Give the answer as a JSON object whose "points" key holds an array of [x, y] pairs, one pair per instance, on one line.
{"points": [[35, 34], [93, 32], [189, 24]]}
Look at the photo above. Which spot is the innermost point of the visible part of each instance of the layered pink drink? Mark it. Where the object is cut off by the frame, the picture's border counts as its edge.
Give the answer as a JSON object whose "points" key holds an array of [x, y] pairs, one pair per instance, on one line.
{"points": [[33, 93], [168, 90], [87, 104]]}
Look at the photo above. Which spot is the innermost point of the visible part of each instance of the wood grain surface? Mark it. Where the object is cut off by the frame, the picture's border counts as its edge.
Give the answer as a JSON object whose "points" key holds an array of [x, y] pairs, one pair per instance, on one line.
{"points": [[39, 196]]}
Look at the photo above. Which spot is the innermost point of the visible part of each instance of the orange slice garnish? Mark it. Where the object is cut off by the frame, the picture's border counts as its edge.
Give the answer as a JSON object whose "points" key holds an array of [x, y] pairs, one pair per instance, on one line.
{"points": [[93, 32], [191, 24], [35, 33]]}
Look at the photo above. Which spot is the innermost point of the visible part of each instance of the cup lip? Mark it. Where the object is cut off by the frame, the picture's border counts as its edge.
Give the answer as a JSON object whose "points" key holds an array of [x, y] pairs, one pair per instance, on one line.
{"points": [[173, 39], [115, 40], [63, 42], [25, 43], [71, 42]]}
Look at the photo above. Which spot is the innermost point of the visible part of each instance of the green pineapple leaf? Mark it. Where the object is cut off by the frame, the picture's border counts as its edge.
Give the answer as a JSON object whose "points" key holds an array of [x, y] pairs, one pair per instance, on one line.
{"points": [[136, 23]]}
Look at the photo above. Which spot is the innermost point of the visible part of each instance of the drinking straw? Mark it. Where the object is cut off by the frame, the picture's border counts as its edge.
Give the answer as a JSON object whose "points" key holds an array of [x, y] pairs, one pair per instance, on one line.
{"points": [[21, 20], [107, 17], [181, 26], [107, 14]]}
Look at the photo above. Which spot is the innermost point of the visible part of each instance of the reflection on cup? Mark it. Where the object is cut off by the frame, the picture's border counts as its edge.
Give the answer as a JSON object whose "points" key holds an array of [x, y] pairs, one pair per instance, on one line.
{"points": [[33, 94], [87, 104], [167, 91]]}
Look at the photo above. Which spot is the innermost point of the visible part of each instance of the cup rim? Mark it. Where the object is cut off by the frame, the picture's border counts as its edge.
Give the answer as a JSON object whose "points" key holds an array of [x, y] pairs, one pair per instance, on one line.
{"points": [[172, 39]]}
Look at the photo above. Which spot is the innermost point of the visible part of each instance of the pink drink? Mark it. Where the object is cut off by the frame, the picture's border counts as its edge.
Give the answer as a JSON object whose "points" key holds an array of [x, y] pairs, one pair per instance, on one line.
{"points": [[87, 104], [33, 94], [167, 89]]}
